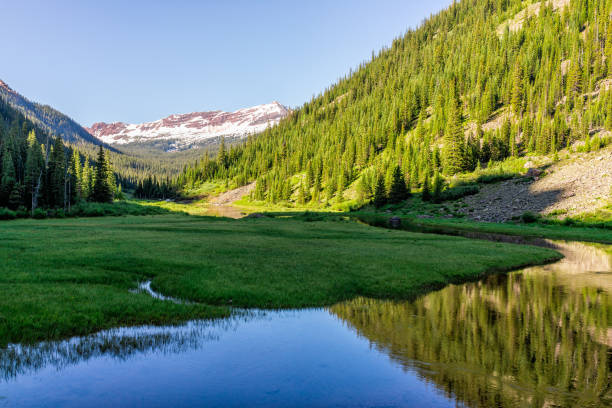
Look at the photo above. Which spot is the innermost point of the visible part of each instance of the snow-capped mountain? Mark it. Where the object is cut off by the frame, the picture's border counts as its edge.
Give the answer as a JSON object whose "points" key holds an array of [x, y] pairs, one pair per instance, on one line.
{"points": [[179, 132]]}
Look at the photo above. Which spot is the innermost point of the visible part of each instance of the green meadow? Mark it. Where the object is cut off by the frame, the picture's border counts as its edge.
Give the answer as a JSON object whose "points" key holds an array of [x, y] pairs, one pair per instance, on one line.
{"points": [[63, 277]]}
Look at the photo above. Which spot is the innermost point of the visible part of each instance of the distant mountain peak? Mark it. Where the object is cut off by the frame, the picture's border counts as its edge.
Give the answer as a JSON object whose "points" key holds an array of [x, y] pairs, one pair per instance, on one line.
{"points": [[184, 131], [5, 86]]}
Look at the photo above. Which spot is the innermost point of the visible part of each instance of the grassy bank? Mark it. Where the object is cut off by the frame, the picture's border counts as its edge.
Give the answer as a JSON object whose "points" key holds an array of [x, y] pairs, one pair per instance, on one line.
{"points": [[462, 226], [72, 276], [90, 209]]}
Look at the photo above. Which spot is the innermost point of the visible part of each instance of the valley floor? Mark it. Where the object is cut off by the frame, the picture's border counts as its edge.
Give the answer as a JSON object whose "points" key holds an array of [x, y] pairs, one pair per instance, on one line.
{"points": [[65, 277]]}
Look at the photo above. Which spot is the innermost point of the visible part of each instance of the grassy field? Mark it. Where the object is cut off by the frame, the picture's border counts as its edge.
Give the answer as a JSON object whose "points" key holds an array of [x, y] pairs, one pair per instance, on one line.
{"points": [[61, 277], [460, 226]]}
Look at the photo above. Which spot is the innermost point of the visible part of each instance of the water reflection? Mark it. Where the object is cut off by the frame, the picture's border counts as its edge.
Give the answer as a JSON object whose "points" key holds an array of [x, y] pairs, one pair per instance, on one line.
{"points": [[538, 337], [119, 344]]}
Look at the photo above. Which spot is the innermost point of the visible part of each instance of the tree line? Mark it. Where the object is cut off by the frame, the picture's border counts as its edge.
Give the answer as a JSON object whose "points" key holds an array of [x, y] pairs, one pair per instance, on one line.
{"points": [[42, 172]]}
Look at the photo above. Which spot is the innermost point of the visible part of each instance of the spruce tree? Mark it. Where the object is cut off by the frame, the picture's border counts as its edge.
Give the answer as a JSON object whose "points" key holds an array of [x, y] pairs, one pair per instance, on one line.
{"points": [[101, 190], [260, 190], [8, 179], [301, 195], [574, 80], [437, 187], [76, 176], [222, 154], [57, 174], [517, 90], [426, 193], [380, 193], [453, 141], [398, 191], [112, 181]]}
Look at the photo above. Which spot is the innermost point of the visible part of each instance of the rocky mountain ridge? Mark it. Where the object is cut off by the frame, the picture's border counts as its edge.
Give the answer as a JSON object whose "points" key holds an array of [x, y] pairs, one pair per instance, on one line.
{"points": [[184, 131]]}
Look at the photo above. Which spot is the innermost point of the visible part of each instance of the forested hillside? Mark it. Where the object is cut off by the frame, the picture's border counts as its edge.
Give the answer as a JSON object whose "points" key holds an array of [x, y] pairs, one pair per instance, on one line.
{"points": [[476, 84], [132, 166], [38, 171], [47, 118]]}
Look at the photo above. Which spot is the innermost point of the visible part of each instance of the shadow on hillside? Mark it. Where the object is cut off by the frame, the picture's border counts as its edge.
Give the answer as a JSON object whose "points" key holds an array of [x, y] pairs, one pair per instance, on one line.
{"points": [[509, 200]]}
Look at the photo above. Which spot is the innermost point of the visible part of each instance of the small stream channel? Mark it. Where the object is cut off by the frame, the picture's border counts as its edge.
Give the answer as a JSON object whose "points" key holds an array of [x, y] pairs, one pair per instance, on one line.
{"points": [[540, 336]]}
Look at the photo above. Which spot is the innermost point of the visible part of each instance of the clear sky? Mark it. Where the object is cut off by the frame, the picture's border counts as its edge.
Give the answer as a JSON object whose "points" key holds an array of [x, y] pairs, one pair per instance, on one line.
{"points": [[137, 61]]}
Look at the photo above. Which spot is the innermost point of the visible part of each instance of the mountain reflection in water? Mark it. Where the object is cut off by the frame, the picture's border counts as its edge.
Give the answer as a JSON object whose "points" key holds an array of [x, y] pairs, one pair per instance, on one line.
{"points": [[538, 337]]}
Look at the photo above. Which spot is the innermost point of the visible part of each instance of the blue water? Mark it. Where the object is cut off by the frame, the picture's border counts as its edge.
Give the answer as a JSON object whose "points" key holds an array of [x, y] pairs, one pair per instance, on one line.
{"points": [[282, 359]]}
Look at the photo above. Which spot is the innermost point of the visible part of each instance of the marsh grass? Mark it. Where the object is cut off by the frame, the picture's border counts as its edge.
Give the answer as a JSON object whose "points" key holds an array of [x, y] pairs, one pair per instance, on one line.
{"points": [[537, 229], [63, 277]]}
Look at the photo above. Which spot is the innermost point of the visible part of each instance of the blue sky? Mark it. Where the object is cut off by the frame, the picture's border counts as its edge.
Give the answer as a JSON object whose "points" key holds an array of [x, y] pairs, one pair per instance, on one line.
{"points": [[136, 61]]}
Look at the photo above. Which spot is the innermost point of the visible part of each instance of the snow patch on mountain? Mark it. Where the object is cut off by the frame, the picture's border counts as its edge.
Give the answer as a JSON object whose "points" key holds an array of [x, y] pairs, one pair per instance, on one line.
{"points": [[187, 130]]}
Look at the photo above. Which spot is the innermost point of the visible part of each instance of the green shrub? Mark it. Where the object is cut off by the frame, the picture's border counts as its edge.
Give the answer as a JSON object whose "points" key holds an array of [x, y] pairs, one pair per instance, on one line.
{"points": [[23, 212], [494, 177], [568, 221], [6, 214], [529, 217], [39, 214], [455, 193]]}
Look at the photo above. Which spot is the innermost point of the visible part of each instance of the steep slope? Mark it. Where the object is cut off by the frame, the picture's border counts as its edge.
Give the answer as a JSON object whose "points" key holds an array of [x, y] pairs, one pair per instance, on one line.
{"points": [[179, 132], [47, 118], [450, 97]]}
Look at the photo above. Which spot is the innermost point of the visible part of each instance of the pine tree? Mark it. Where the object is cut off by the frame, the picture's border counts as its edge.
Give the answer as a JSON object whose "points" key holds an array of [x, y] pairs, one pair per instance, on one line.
{"points": [[437, 187], [426, 194], [453, 141], [112, 181], [101, 190], [608, 49], [222, 154], [8, 180], [574, 80], [34, 168], [301, 195], [398, 191], [87, 182], [76, 177], [57, 174], [260, 190], [380, 193], [517, 90]]}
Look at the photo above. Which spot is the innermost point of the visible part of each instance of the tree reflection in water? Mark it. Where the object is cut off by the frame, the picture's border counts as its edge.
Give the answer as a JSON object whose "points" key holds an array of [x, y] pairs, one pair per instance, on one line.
{"points": [[118, 344], [538, 337]]}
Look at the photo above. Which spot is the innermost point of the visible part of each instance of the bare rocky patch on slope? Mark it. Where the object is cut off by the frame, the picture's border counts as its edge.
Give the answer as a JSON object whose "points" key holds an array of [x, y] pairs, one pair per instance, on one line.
{"points": [[532, 10], [569, 187], [231, 196]]}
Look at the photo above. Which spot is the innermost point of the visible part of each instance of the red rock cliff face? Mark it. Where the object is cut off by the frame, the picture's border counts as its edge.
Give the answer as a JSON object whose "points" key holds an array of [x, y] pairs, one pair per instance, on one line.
{"points": [[185, 130]]}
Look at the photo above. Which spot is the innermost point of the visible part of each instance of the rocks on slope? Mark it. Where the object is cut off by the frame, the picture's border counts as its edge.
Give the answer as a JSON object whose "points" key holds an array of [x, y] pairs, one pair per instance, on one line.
{"points": [[579, 184]]}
